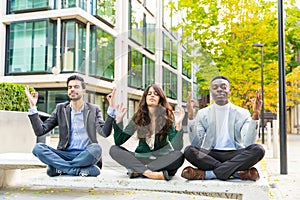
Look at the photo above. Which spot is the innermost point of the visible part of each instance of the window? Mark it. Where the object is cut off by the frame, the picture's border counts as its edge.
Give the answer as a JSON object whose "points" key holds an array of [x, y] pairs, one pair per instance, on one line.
{"points": [[170, 49], [48, 98], [100, 100], [149, 72], [174, 49], [186, 87], [136, 24], [151, 6], [105, 9], [166, 49], [31, 47], [167, 15], [141, 72], [132, 107], [135, 68], [186, 65], [150, 34], [30, 5], [170, 20], [101, 54], [170, 83], [73, 46], [81, 47], [68, 3], [141, 26]]}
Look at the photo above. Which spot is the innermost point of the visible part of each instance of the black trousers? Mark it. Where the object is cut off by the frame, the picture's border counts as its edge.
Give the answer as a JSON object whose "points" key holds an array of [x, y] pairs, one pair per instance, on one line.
{"points": [[224, 162], [170, 162]]}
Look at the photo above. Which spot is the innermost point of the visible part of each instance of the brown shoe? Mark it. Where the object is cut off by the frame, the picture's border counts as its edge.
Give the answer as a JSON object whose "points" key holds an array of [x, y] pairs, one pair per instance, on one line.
{"points": [[193, 174], [250, 174]]}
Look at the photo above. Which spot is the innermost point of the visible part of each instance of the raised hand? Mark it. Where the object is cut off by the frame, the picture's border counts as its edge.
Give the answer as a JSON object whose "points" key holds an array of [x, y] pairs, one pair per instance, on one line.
{"points": [[257, 104], [111, 98], [120, 113], [190, 104], [32, 97], [179, 115]]}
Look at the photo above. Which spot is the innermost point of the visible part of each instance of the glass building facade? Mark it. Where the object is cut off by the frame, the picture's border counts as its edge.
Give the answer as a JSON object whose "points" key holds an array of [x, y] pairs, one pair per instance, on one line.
{"points": [[128, 44]]}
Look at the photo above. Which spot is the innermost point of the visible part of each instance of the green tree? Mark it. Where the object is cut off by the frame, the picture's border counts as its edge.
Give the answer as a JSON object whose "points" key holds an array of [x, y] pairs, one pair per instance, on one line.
{"points": [[223, 33], [292, 33], [13, 98]]}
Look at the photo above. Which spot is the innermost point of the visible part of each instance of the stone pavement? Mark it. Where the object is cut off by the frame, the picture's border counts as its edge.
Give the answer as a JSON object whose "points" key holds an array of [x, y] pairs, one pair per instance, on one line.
{"points": [[38, 185], [286, 187]]}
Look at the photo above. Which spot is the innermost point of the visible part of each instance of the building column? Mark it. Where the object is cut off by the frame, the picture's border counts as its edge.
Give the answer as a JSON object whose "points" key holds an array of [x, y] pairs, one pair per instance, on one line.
{"points": [[121, 53], [58, 44], [87, 48], [159, 43]]}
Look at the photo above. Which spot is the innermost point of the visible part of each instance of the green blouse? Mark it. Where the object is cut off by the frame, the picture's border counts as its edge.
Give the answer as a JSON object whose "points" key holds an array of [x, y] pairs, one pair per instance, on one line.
{"points": [[171, 141]]}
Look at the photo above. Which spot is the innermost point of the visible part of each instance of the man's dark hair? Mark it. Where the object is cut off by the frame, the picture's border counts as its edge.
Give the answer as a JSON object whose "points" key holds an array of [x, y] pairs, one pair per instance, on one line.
{"points": [[78, 78], [220, 77]]}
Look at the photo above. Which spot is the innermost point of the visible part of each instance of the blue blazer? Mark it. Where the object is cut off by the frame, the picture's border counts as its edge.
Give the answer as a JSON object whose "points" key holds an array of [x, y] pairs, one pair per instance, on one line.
{"points": [[242, 128]]}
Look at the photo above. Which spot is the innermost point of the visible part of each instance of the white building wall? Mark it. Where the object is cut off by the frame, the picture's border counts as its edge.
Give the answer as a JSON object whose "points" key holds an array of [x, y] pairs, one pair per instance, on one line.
{"points": [[120, 32]]}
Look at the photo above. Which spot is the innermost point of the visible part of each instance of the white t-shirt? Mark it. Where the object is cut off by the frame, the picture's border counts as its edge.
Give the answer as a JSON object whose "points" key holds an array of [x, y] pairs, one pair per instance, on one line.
{"points": [[223, 140]]}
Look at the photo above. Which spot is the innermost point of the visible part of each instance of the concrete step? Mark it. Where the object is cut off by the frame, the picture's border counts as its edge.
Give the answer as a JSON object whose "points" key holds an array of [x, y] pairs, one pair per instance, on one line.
{"points": [[115, 178]]}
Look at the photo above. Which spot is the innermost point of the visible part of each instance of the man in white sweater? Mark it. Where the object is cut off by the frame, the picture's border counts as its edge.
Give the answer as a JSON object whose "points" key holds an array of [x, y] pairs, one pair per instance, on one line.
{"points": [[223, 138]]}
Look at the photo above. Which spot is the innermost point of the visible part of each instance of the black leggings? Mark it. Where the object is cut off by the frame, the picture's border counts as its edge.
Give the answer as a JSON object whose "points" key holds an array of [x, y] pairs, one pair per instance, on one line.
{"points": [[170, 162]]}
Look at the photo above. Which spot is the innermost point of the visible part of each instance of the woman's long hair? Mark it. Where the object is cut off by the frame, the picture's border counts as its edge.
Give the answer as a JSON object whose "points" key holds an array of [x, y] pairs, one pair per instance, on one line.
{"points": [[164, 115]]}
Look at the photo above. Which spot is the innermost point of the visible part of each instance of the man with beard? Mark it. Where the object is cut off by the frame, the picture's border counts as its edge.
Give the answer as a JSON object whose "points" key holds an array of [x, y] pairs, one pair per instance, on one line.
{"points": [[223, 138], [78, 152]]}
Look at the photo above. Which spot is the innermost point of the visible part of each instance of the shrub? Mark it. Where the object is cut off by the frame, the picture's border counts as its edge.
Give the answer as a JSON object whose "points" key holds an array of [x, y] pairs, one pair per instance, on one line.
{"points": [[13, 98]]}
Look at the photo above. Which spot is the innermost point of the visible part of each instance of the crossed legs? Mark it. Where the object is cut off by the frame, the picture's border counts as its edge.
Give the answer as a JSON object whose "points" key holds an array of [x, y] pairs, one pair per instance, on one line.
{"points": [[224, 163], [145, 165], [70, 162]]}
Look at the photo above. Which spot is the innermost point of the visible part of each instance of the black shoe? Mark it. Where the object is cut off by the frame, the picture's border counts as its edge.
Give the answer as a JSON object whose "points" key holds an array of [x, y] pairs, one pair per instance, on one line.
{"points": [[99, 163], [51, 171], [133, 174], [166, 175]]}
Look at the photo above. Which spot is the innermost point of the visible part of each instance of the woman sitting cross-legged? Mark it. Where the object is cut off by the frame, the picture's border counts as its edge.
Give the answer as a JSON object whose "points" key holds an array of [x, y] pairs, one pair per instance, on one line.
{"points": [[159, 131]]}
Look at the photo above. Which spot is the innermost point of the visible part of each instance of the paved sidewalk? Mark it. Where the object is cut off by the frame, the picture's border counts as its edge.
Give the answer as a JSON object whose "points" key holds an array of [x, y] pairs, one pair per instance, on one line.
{"points": [[281, 186], [286, 187], [113, 178]]}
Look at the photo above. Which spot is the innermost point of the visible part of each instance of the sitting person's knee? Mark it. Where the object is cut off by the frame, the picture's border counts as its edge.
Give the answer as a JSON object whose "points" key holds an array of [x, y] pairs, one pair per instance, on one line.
{"points": [[38, 148], [113, 149], [95, 149]]}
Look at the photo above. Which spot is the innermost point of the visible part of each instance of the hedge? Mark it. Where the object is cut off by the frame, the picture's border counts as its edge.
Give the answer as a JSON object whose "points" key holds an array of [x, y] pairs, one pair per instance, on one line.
{"points": [[13, 98]]}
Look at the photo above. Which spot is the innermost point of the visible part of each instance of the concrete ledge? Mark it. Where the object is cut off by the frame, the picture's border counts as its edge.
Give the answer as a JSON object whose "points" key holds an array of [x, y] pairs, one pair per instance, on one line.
{"points": [[19, 161], [113, 177], [12, 163], [116, 178], [16, 132]]}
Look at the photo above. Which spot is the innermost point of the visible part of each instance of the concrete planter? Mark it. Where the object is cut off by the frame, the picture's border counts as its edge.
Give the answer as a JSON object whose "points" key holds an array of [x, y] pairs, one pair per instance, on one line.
{"points": [[16, 133]]}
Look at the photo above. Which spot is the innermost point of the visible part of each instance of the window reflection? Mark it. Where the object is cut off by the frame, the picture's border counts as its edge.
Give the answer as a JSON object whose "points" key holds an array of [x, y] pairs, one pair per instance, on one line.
{"points": [[186, 86], [101, 54], [30, 5], [141, 70], [136, 24], [30, 50], [73, 46], [170, 83], [105, 9]]}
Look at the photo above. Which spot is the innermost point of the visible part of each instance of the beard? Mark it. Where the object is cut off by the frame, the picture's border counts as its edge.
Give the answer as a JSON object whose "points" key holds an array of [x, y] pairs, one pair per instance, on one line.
{"points": [[75, 98]]}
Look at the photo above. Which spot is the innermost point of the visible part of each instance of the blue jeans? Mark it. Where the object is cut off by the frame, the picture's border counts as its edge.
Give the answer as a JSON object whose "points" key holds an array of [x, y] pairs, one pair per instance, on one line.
{"points": [[70, 162]]}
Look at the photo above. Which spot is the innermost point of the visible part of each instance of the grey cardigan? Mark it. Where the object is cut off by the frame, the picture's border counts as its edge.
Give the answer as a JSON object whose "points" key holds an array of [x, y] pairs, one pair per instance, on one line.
{"points": [[242, 129], [61, 117]]}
